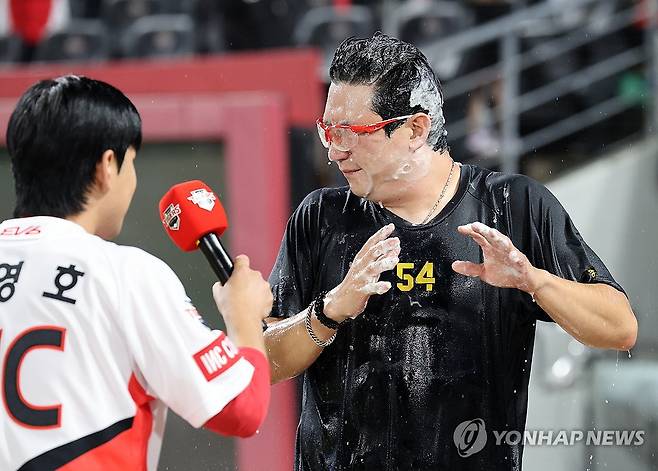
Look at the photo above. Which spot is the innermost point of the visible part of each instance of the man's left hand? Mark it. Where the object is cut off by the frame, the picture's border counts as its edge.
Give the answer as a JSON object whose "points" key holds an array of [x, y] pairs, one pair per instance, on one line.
{"points": [[503, 266]]}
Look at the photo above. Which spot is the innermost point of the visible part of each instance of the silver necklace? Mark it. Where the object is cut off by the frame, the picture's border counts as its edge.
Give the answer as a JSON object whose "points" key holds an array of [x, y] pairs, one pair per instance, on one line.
{"points": [[443, 192]]}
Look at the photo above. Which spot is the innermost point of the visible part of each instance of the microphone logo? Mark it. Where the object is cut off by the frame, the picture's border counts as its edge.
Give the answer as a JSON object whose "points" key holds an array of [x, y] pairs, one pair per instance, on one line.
{"points": [[171, 217], [203, 198]]}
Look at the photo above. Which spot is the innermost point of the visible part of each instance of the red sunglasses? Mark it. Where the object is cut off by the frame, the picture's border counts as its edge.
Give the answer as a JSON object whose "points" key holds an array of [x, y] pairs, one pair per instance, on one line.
{"points": [[345, 136]]}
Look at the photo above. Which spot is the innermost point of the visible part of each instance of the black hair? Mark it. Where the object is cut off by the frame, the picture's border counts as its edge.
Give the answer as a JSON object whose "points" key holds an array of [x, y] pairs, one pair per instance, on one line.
{"points": [[56, 136], [404, 82]]}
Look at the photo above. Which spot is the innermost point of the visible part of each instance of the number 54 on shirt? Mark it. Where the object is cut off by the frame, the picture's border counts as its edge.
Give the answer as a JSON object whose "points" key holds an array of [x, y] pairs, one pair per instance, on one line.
{"points": [[405, 270]]}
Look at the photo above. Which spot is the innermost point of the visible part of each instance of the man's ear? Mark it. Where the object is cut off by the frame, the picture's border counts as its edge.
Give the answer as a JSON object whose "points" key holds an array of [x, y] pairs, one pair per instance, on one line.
{"points": [[106, 169], [420, 124]]}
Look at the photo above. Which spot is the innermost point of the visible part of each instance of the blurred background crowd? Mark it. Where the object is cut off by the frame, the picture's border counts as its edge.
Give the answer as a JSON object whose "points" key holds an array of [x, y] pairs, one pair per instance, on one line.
{"points": [[38, 31]]}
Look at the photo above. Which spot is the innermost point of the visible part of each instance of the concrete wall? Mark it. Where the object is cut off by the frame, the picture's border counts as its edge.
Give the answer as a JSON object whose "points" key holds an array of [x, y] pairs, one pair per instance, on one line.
{"points": [[614, 203]]}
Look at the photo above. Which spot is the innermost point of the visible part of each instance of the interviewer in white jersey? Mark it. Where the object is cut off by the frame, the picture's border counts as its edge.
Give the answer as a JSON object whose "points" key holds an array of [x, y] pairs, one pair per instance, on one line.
{"points": [[97, 340]]}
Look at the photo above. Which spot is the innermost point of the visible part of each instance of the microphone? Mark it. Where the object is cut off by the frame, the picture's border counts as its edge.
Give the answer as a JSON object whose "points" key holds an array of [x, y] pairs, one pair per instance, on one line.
{"points": [[193, 218]]}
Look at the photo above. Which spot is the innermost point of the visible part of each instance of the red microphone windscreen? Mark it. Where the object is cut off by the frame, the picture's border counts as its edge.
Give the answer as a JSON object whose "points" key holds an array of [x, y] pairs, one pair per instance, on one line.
{"points": [[189, 211]]}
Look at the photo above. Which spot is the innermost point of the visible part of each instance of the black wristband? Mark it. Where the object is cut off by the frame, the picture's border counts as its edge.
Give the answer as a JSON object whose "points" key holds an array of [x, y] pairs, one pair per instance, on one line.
{"points": [[318, 308]]}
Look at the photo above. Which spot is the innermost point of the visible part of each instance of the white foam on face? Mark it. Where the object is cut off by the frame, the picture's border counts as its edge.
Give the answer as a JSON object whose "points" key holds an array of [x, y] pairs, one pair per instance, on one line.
{"points": [[402, 170], [381, 168], [412, 168]]}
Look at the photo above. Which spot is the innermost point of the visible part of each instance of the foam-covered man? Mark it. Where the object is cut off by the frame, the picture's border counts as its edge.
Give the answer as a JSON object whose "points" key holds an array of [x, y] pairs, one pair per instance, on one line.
{"points": [[409, 298]]}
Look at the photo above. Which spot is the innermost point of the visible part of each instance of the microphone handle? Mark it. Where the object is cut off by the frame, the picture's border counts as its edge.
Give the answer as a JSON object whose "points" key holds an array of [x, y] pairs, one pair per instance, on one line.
{"points": [[219, 259]]}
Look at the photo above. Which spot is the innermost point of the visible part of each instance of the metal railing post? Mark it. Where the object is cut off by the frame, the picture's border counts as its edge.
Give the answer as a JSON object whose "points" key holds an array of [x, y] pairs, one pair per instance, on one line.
{"points": [[510, 150], [651, 38]]}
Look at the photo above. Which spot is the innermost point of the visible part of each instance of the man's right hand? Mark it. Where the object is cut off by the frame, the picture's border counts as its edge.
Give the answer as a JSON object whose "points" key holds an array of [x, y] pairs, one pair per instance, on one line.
{"points": [[379, 254], [245, 296]]}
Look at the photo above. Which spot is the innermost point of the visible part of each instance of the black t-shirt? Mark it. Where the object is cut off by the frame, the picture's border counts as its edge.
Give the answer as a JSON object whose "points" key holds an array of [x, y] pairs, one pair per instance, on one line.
{"points": [[439, 348]]}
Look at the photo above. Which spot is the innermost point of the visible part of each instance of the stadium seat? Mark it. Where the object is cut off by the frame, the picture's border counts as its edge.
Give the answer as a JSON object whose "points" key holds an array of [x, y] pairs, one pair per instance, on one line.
{"points": [[327, 27], [177, 6], [209, 26], [120, 14], [10, 49], [423, 22], [160, 36], [81, 8], [82, 40]]}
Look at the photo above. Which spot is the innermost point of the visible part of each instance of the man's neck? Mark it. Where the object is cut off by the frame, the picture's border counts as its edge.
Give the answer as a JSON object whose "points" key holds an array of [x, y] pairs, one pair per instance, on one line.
{"points": [[97, 216], [86, 220], [419, 200]]}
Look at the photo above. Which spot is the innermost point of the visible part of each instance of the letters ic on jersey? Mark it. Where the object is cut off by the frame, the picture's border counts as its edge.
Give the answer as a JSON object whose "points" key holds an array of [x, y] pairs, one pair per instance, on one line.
{"points": [[217, 357]]}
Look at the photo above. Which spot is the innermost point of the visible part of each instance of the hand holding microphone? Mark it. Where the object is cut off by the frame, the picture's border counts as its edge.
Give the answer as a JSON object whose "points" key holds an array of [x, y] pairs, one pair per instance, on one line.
{"points": [[193, 218], [244, 285]]}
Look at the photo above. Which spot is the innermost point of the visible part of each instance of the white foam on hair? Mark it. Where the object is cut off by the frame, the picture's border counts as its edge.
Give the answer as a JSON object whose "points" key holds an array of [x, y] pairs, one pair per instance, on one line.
{"points": [[427, 96]]}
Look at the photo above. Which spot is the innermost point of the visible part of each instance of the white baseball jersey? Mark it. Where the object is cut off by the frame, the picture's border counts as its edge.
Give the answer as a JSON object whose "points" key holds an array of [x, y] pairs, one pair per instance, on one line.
{"points": [[96, 340]]}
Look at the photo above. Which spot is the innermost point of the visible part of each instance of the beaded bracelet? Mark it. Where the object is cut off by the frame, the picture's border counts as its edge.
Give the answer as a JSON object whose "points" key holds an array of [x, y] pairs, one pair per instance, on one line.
{"points": [[318, 308]]}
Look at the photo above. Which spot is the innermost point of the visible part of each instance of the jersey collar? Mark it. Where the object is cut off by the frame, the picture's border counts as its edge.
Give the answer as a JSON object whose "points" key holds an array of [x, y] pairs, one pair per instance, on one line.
{"points": [[52, 224]]}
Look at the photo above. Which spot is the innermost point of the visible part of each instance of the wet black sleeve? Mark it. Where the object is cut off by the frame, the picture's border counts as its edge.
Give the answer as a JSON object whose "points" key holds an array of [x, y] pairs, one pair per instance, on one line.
{"points": [[292, 276], [551, 240]]}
